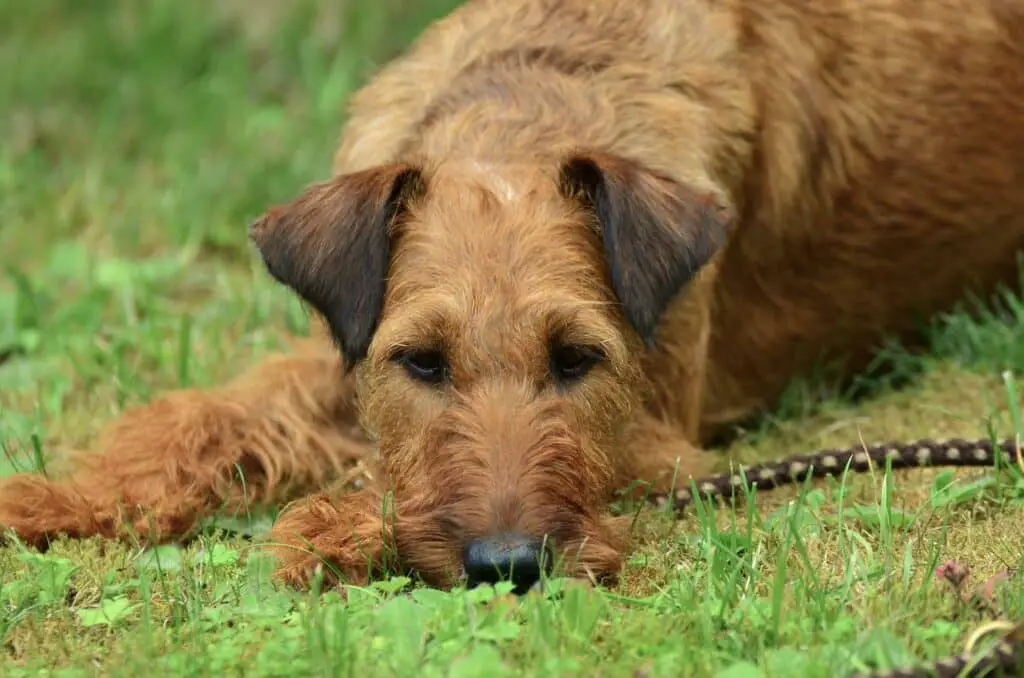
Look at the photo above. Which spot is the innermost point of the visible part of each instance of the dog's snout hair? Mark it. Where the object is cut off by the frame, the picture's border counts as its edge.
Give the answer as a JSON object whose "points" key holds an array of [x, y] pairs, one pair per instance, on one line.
{"points": [[514, 461]]}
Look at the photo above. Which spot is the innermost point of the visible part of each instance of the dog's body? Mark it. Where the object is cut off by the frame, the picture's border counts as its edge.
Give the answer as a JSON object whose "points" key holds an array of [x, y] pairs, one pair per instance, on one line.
{"points": [[568, 240], [869, 192]]}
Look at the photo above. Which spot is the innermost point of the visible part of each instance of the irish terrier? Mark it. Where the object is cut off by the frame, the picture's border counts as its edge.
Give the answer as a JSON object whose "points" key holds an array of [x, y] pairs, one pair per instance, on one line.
{"points": [[565, 242]]}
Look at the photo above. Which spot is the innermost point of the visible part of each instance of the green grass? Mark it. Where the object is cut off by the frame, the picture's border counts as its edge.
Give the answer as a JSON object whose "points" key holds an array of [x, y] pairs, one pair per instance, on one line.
{"points": [[139, 139]]}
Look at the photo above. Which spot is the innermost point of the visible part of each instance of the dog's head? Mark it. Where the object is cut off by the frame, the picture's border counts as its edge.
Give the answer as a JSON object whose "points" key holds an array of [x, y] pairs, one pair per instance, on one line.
{"points": [[496, 316]]}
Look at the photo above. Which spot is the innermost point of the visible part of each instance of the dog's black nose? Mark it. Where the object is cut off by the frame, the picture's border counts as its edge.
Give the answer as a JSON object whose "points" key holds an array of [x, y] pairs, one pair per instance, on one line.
{"points": [[509, 557]]}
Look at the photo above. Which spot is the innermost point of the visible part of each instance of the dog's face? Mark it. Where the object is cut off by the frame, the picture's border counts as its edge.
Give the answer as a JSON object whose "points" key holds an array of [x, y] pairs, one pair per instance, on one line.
{"points": [[496, 316]]}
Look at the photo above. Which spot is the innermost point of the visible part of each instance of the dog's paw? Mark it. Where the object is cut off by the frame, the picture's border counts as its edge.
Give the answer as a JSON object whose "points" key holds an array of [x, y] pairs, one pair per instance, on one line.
{"points": [[36, 509], [301, 571], [340, 539]]}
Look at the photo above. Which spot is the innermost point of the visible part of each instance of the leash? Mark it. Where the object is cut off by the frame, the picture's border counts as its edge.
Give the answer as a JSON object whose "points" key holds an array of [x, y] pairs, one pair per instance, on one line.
{"points": [[1005, 657], [925, 453]]}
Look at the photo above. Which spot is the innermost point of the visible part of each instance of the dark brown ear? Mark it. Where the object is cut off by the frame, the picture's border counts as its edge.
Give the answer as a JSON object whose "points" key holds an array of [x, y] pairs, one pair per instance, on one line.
{"points": [[332, 245], [657, 232]]}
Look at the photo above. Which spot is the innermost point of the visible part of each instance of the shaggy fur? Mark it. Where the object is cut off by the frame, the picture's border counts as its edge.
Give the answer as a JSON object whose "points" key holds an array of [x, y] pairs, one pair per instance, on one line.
{"points": [[566, 241]]}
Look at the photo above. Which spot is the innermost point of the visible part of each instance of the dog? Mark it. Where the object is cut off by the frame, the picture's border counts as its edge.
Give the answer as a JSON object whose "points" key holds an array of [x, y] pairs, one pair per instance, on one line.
{"points": [[564, 245]]}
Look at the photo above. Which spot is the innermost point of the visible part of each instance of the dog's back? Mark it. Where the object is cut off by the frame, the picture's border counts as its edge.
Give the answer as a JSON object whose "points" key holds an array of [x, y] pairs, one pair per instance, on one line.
{"points": [[788, 77]]}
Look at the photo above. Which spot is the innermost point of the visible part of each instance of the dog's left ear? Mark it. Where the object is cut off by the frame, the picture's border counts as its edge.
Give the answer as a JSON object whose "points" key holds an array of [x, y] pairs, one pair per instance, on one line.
{"points": [[657, 232], [331, 245]]}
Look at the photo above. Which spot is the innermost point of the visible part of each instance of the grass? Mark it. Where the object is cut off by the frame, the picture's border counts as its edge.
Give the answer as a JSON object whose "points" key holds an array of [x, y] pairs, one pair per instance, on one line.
{"points": [[138, 141]]}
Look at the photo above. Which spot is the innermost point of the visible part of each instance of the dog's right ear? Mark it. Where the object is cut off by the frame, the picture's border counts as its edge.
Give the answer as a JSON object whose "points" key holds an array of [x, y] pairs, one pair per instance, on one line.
{"points": [[331, 245]]}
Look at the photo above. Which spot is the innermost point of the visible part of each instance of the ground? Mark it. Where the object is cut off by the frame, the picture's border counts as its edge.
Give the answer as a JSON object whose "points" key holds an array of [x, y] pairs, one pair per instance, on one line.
{"points": [[139, 139]]}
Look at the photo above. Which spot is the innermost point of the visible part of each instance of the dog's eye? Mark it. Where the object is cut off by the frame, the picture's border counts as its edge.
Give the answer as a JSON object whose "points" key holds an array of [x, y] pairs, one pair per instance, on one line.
{"points": [[428, 366], [569, 363]]}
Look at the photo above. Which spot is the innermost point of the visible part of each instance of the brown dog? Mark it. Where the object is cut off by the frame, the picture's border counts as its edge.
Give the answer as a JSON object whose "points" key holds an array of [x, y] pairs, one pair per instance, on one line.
{"points": [[565, 242]]}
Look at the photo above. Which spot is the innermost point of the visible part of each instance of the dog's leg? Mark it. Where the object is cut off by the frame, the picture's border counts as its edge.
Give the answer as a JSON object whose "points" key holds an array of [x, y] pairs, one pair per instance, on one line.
{"points": [[664, 441], [284, 428], [663, 457]]}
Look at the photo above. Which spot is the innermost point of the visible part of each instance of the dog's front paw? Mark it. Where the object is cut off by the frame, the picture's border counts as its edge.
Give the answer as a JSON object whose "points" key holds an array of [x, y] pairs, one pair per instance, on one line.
{"points": [[344, 538], [37, 509]]}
